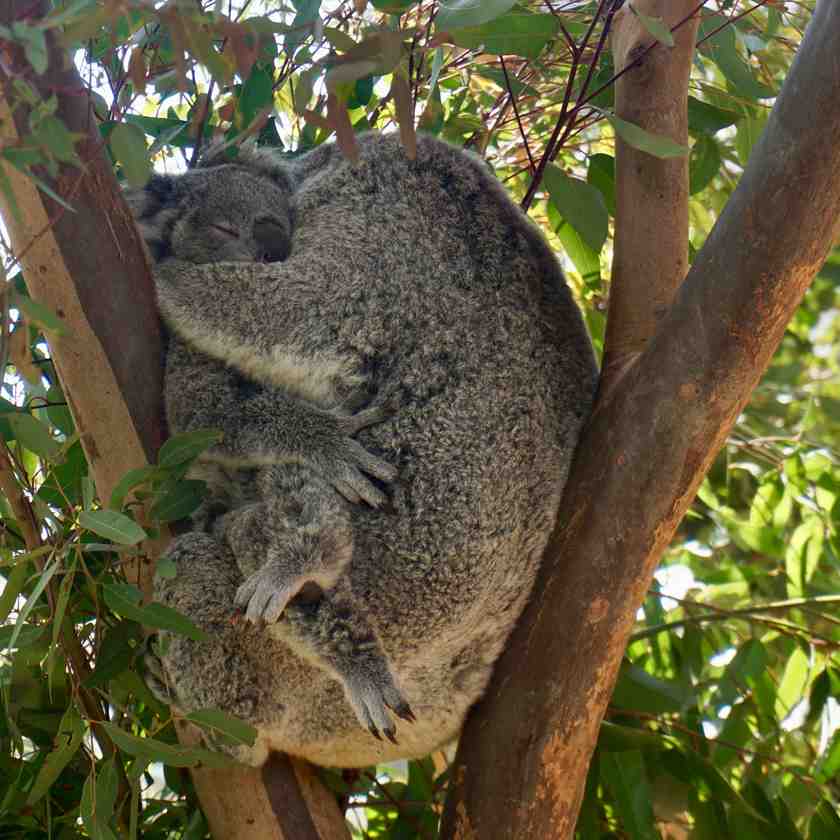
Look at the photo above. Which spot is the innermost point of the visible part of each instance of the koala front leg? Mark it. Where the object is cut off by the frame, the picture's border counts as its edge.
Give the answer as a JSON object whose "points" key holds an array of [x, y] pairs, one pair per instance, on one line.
{"points": [[262, 424], [333, 634]]}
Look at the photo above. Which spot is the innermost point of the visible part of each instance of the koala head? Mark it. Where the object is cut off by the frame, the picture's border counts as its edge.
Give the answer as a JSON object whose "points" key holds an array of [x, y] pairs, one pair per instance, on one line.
{"points": [[218, 212]]}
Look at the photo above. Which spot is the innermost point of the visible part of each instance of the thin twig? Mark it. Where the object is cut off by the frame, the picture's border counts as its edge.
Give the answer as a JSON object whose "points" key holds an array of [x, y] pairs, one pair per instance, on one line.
{"points": [[516, 113]]}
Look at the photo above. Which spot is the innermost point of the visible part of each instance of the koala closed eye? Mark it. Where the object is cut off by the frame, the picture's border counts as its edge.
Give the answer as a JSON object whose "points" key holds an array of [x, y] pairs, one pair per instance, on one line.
{"points": [[226, 229]]}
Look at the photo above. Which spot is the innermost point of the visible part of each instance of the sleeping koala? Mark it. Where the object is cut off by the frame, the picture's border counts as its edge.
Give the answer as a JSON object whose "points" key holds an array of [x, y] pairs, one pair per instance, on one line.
{"points": [[345, 324]]}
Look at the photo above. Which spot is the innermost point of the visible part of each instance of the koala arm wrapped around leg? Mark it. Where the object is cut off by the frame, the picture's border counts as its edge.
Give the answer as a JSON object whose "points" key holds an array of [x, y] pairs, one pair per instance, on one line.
{"points": [[259, 320], [265, 425]]}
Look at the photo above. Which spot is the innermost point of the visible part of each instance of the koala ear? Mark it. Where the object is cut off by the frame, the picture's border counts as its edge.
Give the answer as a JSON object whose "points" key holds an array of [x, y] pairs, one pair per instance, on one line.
{"points": [[265, 163], [149, 200], [153, 207]]}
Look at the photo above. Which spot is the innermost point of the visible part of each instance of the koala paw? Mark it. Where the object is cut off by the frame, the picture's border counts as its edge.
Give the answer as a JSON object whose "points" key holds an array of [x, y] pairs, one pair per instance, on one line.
{"points": [[155, 676], [345, 466], [265, 595], [371, 695]]}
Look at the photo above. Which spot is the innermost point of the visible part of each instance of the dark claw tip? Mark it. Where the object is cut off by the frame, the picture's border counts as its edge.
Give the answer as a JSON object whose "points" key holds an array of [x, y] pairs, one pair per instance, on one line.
{"points": [[375, 732], [404, 711], [391, 735]]}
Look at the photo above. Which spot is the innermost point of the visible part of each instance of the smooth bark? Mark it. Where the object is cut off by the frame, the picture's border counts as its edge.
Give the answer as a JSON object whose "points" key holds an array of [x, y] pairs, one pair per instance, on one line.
{"points": [[650, 248], [522, 764], [90, 268]]}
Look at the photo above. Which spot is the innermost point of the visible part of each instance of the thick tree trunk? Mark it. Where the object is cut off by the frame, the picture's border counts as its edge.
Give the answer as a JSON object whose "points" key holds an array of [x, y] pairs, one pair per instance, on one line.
{"points": [[89, 267], [522, 764]]}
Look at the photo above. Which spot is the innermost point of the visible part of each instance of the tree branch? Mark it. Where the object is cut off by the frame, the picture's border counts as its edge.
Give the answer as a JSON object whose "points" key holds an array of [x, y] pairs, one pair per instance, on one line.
{"points": [[522, 763], [650, 257]]}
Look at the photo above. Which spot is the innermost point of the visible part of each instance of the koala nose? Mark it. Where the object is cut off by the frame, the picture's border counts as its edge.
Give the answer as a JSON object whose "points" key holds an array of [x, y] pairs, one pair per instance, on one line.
{"points": [[272, 255], [271, 237]]}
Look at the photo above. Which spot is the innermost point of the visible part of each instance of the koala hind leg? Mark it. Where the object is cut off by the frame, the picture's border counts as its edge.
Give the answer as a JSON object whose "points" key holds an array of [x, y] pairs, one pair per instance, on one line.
{"points": [[218, 672], [333, 635], [297, 537]]}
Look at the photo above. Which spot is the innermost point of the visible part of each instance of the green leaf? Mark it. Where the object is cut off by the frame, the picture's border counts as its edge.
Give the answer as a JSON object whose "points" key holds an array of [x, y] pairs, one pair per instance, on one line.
{"points": [[179, 500], [34, 435], [626, 778], [601, 174], [705, 162], [66, 743], [794, 682], [644, 141], [59, 413], [516, 33], [638, 690], [154, 750], [256, 94], [723, 51], [124, 600], [34, 45], [457, 14], [392, 7], [128, 145], [586, 260], [115, 654], [690, 767], [580, 204], [133, 478], [54, 136], [98, 799], [112, 525], [750, 128], [28, 635], [615, 738], [38, 314], [802, 555], [828, 767], [232, 729], [182, 448], [40, 586], [825, 823], [704, 118], [656, 27]]}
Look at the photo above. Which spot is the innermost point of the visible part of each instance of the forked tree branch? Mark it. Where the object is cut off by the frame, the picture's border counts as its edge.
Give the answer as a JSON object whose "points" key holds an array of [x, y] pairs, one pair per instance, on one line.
{"points": [[521, 768]]}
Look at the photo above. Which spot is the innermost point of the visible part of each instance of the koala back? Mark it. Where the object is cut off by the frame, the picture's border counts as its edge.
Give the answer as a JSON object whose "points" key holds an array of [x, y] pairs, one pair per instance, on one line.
{"points": [[426, 280]]}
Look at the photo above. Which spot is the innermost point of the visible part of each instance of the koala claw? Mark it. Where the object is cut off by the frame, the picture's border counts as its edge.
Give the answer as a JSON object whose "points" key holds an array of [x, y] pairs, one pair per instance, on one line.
{"points": [[371, 698], [403, 711], [155, 676], [346, 467], [263, 598]]}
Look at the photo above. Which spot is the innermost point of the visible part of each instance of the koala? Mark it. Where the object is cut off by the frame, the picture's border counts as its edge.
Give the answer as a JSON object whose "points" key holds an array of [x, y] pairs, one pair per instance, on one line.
{"points": [[401, 375]]}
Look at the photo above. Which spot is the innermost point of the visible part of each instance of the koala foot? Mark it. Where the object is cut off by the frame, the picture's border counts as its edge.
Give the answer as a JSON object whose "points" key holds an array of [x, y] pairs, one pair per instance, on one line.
{"points": [[345, 465], [265, 594], [371, 695], [333, 633]]}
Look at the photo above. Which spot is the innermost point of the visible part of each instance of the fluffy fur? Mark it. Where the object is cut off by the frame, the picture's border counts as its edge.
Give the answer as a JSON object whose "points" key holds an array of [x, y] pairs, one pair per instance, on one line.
{"points": [[416, 325]]}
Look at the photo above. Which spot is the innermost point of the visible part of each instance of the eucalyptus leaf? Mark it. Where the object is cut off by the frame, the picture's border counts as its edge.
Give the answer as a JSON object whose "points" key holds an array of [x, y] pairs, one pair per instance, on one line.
{"points": [[112, 525], [129, 148], [457, 14]]}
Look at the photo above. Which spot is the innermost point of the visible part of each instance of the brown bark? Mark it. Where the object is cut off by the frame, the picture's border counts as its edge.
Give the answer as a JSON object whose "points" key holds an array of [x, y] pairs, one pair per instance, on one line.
{"points": [[522, 763], [89, 267], [650, 257]]}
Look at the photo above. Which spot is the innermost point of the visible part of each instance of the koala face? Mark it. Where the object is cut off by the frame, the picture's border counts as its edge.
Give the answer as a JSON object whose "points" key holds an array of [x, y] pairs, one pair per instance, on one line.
{"points": [[220, 213], [233, 216]]}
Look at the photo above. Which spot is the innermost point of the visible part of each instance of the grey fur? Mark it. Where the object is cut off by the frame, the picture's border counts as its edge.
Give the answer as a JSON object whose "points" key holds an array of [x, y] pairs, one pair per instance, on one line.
{"points": [[420, 312]]}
